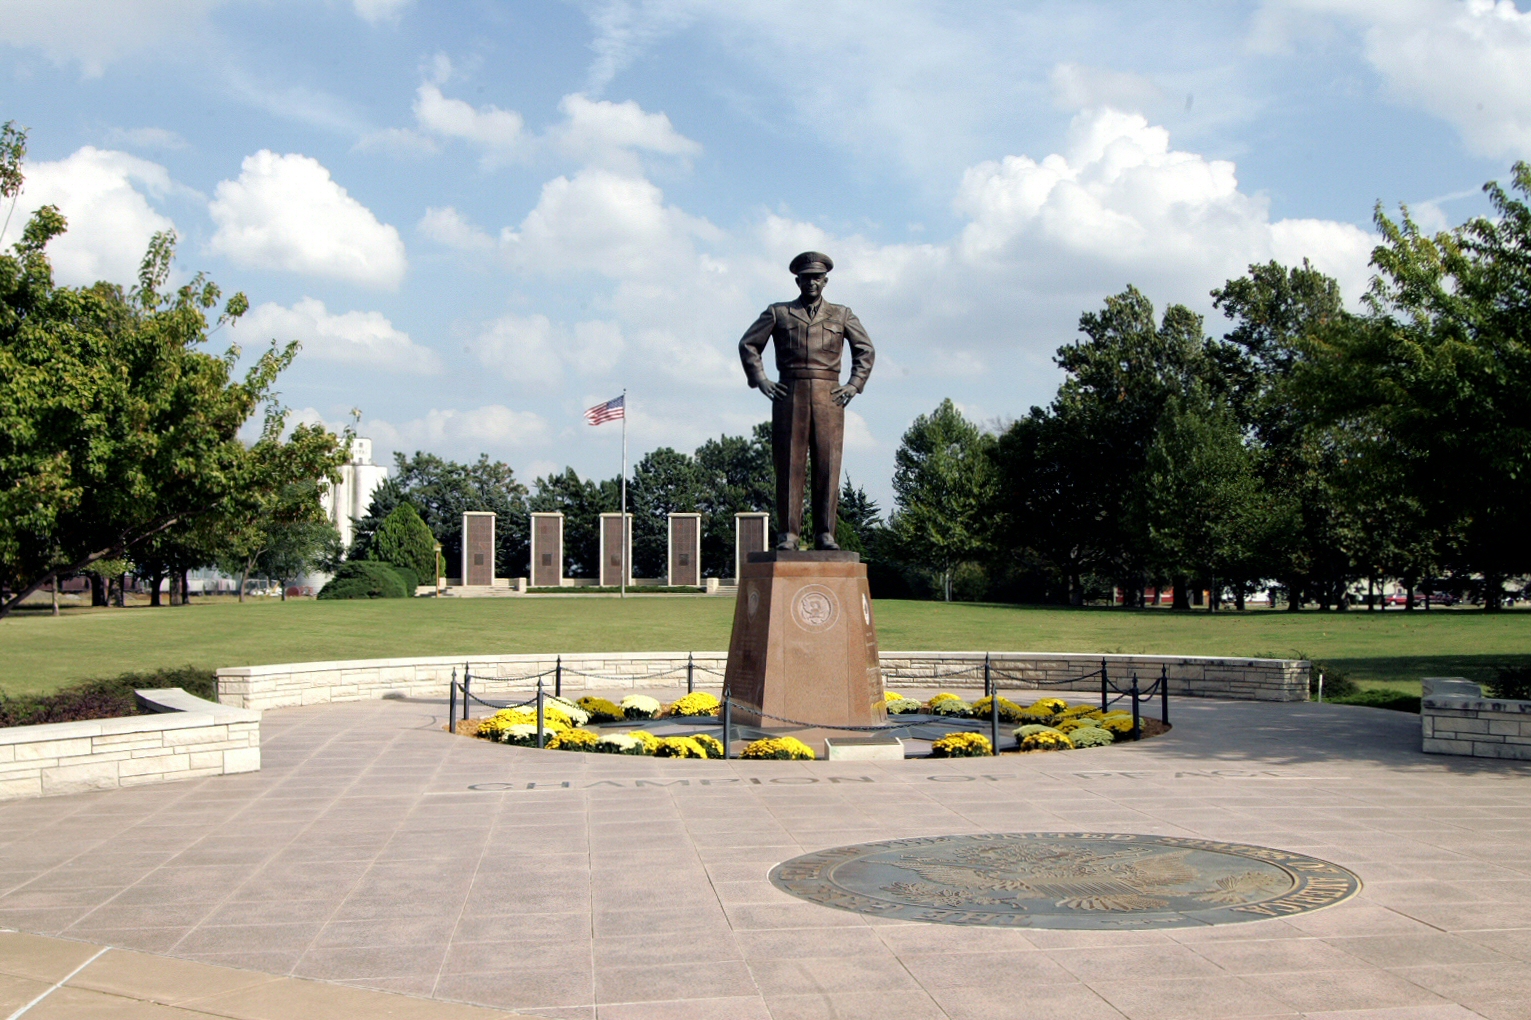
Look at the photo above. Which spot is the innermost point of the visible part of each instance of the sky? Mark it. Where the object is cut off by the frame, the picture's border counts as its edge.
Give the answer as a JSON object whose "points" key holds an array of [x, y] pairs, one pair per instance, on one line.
{"points": [[482, 218]]}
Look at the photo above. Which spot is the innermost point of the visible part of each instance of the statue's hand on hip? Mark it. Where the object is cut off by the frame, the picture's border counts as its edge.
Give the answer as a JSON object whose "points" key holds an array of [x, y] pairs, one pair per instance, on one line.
{"points": [[774, 390], [843, 394]]}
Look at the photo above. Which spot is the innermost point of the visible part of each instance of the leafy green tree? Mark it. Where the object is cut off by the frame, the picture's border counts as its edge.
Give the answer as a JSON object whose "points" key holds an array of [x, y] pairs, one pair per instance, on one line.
{"points": [[664, 482], [114, 426], [296, 549], [943, 484], [581, 501], [443, 490], [405, 541], [736, 475]]}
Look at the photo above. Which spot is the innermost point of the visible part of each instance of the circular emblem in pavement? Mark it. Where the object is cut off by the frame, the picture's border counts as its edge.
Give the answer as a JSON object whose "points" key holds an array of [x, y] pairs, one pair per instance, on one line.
{"points": [[815, 607], [1106, 881]]}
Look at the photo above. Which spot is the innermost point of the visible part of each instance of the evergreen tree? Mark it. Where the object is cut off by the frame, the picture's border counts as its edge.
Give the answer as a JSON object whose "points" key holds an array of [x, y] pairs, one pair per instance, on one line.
{"points": [[404, 541]]}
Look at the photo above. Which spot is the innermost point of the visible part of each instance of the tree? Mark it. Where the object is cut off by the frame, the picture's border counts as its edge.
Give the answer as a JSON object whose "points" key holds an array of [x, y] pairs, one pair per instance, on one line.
{"points": [[735, 475], [664, 482], [296, 548], [942, 483], [114, 426], [582, 502], [443, 490], [405, 541]]}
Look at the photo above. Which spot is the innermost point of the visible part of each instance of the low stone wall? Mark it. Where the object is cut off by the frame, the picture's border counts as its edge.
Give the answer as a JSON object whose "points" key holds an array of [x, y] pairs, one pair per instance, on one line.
{"points": [[192, 738], [499, 676], [1455, 718]]}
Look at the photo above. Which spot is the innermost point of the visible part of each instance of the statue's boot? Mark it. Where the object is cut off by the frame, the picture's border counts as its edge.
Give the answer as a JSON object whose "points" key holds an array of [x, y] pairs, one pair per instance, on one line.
{"points": [[826, 542], [786, 540]]}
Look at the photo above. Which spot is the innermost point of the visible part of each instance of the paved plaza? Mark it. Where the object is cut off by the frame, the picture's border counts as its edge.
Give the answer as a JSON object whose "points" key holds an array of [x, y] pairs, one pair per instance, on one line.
{"points": [[374, 850]]}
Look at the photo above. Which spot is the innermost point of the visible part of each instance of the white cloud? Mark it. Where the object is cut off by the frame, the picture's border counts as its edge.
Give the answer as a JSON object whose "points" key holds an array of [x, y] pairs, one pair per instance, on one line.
{"points": [[597, 131], [95, 34], [447, 226], [286, 213], [1467, 62], [110, 219], [363, 339], [497, 131], [533, 352], [858, 435], [486, 429], [1077, 87], [147, 138], [377, 11], [610, 223]]}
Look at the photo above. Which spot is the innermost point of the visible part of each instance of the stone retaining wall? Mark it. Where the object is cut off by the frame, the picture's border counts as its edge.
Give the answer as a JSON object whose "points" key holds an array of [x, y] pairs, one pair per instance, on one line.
{"points": [[1455, 718], [199, 739], [500, 676]]}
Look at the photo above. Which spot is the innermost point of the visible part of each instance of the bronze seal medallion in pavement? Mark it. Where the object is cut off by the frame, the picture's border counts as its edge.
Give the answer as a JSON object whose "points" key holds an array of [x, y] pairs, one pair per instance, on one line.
{"points": [[1098, 880]]}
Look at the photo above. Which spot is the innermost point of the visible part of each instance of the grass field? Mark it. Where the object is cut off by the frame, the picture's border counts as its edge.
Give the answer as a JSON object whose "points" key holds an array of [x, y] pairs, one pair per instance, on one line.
{"points": [[39, 653]]}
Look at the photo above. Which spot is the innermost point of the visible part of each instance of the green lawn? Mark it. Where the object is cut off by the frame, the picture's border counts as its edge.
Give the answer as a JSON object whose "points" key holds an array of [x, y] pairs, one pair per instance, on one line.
{"points": [[39, 653]]}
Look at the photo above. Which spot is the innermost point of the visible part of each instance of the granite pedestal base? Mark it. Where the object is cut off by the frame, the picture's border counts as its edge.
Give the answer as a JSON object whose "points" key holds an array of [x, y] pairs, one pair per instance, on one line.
{"points": [[804, 648]]}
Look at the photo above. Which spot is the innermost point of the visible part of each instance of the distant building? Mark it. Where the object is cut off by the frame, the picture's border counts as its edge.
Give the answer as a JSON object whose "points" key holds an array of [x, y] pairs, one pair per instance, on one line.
{"points": [[347, 502]]}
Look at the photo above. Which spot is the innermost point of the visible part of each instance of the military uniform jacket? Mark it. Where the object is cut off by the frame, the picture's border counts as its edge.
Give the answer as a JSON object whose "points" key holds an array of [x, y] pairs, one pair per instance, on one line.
{"points": [[807, 348]]}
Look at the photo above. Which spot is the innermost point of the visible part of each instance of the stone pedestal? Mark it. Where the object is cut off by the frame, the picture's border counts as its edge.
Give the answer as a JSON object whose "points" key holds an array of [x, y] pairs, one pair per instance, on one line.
{"points": [[804, 645]]}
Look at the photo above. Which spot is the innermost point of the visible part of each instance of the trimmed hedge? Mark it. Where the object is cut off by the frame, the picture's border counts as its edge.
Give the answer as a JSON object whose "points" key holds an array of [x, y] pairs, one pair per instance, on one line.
{"points": [[370, 579], [404, 541], [103, 698]]}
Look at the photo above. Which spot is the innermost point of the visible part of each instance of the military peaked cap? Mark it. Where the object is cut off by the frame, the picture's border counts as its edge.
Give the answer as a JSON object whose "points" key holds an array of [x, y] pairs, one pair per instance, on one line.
{"points": [[811, 262]]}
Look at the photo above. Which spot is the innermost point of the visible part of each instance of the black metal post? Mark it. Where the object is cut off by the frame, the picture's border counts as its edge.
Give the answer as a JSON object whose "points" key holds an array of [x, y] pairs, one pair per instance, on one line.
{"points": [[1103, 681], [690, 673], [558, 678], [465, 679], [541, 729], [452, 704], [993, 704], [727, 718], [1164, 695], [1137, 723]]}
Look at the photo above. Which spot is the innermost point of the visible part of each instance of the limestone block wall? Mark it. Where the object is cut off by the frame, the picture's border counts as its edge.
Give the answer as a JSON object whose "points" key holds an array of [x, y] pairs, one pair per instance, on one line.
{"points": [[500, 676], [1455, 718], [104, 754]]}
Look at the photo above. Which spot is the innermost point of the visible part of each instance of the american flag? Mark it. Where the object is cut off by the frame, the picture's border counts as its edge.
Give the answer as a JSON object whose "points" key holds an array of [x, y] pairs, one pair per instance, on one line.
{"points": [[612, 410]]}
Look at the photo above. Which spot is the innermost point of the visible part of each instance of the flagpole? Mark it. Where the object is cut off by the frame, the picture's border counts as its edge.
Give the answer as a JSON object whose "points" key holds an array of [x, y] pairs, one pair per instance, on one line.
{"points": [[626, 540]]}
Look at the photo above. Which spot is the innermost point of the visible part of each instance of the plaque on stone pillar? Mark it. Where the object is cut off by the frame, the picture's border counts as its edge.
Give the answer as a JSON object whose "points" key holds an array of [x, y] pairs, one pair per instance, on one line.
{"points": [[804, 646], [478, 549], [751, 534], [547, 550], [616, 554], [685, 557]]}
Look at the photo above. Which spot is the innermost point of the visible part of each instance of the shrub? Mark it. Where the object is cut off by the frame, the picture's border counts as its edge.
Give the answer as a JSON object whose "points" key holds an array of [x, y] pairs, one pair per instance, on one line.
{"points": [[618, 743], [1090, 736], [369, 579], [710, 744], [962, 745], [779, 748], [575, 740], [1077, 711], [1022, 732], [891, 696], [1118, 726], [1070, 725], [1052, 706], [103, 698], [1009, 711], [1032, 715], [1379, 698], [648, 740], [904, 706], [1337, 683], [679, 747], [1511, 682], [404, 540], [553, 721], [1047, 740], [600, 710], [519, 734], [640, 706], [577, 716], [943, 696], [949, 707], [695, 704]]}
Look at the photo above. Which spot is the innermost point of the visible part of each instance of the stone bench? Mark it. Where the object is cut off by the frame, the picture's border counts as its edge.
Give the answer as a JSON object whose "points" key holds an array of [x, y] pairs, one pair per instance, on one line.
{"points": [[1455, 718], [183, 737]]}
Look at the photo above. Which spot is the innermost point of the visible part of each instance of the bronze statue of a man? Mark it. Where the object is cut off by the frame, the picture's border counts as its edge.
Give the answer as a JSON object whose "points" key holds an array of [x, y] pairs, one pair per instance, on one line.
{"points": [[808, 401]]}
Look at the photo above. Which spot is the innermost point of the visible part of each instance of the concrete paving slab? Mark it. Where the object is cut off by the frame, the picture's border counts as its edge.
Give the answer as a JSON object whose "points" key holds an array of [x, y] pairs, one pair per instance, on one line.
{"points": [[379, 856]]}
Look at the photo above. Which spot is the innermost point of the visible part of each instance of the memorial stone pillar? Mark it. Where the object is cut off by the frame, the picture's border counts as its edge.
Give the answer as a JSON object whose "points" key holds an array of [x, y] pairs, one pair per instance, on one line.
{"points": [[547, 550], [685, 550], [752, 533], [478, 548], [616, 551]]}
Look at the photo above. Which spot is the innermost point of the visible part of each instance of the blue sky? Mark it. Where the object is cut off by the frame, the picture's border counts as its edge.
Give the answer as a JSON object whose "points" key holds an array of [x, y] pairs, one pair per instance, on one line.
{"points": [[481, 218]]}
